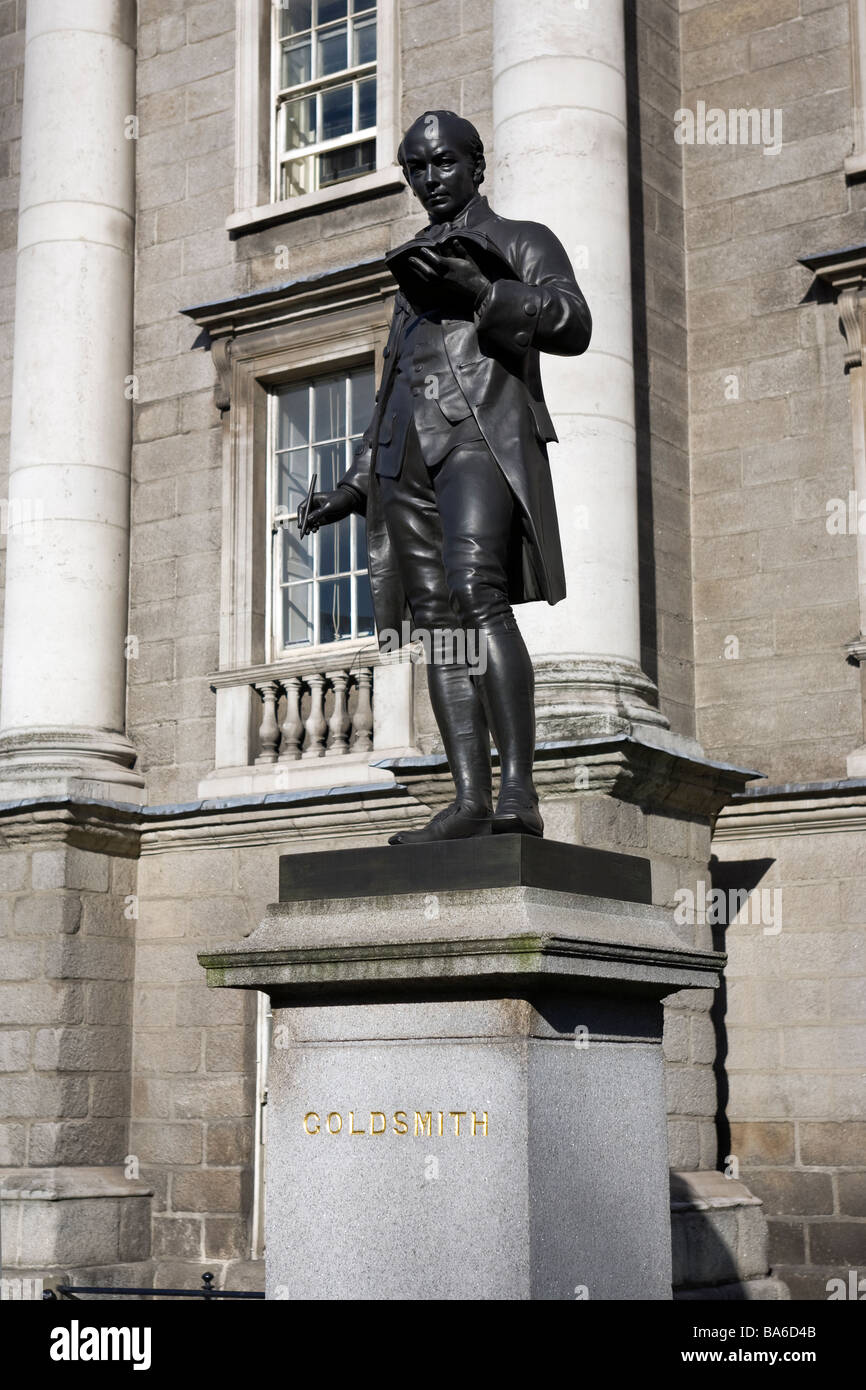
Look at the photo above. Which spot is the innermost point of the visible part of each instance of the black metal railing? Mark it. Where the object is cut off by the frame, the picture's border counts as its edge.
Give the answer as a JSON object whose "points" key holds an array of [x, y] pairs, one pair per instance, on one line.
{"points": [[207, 1291]]}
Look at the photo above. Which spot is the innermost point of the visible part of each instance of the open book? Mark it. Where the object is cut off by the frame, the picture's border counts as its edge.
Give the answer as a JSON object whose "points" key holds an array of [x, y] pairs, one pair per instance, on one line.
{"points": [[477, 245]]}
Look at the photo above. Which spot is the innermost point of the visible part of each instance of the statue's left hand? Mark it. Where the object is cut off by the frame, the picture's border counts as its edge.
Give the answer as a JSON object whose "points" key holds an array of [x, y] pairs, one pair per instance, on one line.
{"points": [[456, 270]]}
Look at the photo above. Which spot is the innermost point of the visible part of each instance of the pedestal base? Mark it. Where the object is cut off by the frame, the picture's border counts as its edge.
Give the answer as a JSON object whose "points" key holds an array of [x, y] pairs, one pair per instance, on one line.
{"points": [[466, 1095]]}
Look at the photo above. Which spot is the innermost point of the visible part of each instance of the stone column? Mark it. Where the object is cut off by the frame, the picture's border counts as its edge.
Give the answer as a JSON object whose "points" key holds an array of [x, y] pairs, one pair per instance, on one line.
{"points": [[560, 152], [64, 670]]}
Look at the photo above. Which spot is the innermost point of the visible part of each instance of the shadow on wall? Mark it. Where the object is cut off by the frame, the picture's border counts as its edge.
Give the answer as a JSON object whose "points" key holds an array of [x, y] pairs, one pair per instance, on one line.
{"points": [[734, 880], [646, 546]]}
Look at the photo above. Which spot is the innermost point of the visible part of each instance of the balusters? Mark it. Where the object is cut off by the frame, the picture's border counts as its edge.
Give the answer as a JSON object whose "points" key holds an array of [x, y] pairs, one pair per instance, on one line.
{"points": [[269, 733], [316, 727], [339, 722], [315, 737], [363, 723], [292, 730]]}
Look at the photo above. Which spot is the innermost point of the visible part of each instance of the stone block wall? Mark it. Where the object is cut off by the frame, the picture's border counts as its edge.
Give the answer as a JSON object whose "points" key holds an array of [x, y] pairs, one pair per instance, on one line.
{"points": [[185, 191], [775, 595], [67, 953], [794, 1047], [194, 1059]]}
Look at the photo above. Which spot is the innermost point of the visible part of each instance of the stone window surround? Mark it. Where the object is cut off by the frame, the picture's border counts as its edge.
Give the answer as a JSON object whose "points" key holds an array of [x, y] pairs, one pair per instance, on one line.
{"points": [[855, 164], [255, 207], [324, 323]]}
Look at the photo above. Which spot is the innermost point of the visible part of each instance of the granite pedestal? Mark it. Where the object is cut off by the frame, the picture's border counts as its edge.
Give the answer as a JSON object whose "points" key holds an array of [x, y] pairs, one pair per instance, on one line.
{"points": [[466, 1094]]}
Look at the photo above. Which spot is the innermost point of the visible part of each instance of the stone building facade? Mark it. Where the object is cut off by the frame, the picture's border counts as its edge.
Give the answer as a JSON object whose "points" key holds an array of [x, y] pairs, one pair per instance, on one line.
{"points": [[194, 208]]}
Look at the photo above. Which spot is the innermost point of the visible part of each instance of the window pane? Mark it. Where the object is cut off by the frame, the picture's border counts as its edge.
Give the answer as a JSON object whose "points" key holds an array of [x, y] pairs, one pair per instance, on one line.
{"points": [[336, 112], [297, 177], [344, 545], [332, 51], [335, 554], [359, 5], [365, 605], [365, 42], [367, 103], [329, 463], [347, 163], [297, 605], [297, 555], [335, 609], [329, 410], [332, 9], [293, 416], [297, 63], [292, 479], [327, 552], [363, 400], [295, 17], [300, 123]]}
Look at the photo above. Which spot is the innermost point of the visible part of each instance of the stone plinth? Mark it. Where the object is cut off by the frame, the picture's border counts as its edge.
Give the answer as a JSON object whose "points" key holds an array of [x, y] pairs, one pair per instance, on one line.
{"points": [[75, 1224], [466, 1096]]}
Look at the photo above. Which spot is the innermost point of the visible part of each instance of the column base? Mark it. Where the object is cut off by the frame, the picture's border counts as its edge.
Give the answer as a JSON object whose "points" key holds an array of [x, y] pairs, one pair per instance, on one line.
{"points": [[92, 764], [578, 697]]}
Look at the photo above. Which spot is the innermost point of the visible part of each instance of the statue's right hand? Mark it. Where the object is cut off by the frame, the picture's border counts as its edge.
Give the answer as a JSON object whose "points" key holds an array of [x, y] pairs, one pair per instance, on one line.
{"points": [[328, 507]]}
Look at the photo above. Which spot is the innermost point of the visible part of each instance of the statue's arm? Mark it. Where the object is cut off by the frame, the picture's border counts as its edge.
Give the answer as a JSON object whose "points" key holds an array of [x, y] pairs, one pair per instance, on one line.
{"points": [[357, 478], [544, 309]]}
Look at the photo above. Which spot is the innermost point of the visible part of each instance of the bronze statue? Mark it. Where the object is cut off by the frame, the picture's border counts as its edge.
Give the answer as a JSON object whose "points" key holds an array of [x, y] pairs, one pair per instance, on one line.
{"points": [[452, 473]]}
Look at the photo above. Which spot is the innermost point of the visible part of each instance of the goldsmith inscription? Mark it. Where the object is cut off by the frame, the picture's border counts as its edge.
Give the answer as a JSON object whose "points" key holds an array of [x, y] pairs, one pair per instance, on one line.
{"points": [[418, 1124]]}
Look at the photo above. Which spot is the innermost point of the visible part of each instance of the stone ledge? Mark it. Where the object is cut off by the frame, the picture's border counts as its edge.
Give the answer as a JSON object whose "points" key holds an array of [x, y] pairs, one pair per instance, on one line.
{"points": [[708, 1190], [68, 1184], [651, 766], [491, 938]]}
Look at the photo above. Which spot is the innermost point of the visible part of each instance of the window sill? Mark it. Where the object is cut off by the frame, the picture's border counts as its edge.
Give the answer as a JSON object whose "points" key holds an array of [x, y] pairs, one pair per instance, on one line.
{"points": [[375, 185]]}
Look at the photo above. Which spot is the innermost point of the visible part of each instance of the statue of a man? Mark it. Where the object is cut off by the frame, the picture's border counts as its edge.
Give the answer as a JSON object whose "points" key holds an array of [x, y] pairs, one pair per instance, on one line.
{"points": [[452, 473]]}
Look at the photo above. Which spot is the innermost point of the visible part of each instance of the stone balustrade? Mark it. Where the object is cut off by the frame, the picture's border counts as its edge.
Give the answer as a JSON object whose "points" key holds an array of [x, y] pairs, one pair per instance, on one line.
{"points": [[315, 714]]}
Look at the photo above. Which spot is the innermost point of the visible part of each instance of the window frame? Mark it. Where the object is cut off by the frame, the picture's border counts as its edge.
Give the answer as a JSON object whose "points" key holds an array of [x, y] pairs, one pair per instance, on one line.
{"points": [[281, 97], [256, 205], [286, 651]]}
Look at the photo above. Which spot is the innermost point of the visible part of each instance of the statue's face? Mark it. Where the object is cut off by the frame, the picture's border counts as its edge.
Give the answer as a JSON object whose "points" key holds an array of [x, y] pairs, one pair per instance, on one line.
{"points": [[441, 173]]}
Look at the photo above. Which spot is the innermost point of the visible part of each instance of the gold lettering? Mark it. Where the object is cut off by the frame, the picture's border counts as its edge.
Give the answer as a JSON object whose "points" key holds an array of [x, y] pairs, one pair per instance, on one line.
{"points": [[426, 1123]]}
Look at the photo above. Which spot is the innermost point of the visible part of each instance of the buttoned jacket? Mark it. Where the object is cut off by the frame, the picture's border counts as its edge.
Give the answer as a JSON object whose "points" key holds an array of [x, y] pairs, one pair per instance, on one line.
{"points": [[494, 356]]}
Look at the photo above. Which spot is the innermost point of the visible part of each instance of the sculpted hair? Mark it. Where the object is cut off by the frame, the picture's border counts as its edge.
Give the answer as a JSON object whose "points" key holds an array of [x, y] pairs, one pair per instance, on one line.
{"points": [[466, 136]]}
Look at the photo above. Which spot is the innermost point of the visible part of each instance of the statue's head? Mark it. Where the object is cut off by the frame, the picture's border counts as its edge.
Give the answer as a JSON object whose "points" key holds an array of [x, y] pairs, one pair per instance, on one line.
{"points": [[443, 159]]}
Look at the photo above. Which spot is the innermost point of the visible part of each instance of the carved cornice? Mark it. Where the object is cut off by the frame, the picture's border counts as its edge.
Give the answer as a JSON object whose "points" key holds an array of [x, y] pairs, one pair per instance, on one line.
{"points": [[845, 272], [228, 322], [100, 827]]}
